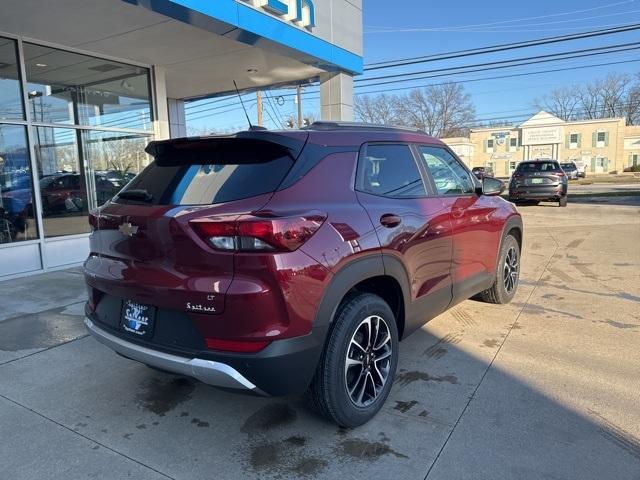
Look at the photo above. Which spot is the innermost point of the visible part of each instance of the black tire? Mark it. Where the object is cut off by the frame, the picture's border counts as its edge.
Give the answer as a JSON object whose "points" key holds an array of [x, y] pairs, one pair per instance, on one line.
{"points": [[563, 201], [499, 293], [328, 392]]}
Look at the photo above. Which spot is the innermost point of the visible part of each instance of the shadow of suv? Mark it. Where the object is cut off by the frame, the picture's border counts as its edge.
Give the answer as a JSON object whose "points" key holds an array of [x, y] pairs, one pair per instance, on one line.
{"points": [[280, 262]]}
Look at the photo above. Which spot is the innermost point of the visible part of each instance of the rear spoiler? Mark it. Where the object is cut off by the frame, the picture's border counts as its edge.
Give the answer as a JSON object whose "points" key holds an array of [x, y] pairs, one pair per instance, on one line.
{"points": [[241, 148]]}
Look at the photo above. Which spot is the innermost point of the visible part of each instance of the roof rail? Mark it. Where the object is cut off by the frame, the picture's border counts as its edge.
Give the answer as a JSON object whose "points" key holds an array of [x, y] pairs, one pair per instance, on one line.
{"points": [[327, 125]]}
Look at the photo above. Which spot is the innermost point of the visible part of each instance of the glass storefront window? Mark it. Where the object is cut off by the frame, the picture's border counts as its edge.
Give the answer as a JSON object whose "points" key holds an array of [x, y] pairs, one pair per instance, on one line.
{"points": [[17, 220], [70, 88], [114, 158], [63, 187], [10, 95]]}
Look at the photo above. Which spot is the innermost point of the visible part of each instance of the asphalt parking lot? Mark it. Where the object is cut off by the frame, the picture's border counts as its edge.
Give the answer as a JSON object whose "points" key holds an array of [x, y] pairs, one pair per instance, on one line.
{"points": [[546, 387]]}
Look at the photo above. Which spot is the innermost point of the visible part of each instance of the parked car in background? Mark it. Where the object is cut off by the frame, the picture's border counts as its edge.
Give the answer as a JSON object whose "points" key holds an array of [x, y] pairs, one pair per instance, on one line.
{"points": [[481, 172], [571, 169], [582, 170], [279, 262], [539, 180]]}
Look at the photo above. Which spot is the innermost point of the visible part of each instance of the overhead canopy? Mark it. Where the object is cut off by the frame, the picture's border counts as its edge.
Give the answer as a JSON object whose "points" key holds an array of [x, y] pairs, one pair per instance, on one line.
{"points": [[202, 54]]}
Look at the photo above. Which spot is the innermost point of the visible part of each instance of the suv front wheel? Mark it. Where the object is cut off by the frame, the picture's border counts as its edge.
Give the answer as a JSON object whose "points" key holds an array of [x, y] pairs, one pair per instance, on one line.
{"points": [[357, 368], [507, 274]]}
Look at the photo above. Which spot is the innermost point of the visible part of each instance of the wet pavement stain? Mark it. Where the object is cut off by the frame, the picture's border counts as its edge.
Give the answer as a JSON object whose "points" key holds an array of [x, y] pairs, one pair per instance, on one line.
{"points": [[310, 466], [409, 377], [491, 343], [623, 264], [142, 426], [199, 423], [404, 407], [265, 456], [620, 325], [423, 413], [160, 397], [40, 330], [269, 417], [363, 450]]}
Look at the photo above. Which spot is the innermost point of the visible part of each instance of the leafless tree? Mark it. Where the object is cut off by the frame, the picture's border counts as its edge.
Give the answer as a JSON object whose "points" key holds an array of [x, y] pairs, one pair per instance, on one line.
{"points": [[614, 96], [561, 102], [379, 109], [440, 110]]}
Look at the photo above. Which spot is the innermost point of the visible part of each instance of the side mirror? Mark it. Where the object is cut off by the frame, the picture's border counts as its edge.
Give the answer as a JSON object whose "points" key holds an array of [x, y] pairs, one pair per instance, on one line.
{"points": [[492, 186]]}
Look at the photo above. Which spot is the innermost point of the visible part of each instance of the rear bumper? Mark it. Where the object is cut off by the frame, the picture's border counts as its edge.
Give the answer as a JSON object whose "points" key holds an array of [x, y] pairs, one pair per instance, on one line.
{"points": [[284, 367], [554, 192], [207, 371]]}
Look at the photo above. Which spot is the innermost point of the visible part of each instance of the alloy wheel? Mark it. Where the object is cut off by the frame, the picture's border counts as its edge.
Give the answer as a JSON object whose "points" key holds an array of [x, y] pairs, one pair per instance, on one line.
{"points": [[511, 269], [368, 361]]}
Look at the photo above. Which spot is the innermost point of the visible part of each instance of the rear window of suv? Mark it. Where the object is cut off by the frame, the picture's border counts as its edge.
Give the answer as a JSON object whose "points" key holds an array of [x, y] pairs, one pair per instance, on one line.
{"points": [[538, 167], [202, 183]]}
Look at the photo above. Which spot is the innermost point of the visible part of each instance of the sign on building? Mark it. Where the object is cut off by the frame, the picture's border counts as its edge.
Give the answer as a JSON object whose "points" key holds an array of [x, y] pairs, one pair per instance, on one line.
{"points": [[541, 135], [301, 12]]}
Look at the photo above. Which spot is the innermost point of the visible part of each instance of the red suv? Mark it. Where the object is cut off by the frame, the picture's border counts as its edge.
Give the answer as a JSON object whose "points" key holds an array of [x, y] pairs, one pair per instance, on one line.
{"points": [[292, 261]]}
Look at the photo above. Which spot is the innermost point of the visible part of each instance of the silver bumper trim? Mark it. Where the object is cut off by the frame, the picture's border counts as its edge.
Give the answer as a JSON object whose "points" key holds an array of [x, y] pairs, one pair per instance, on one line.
{"points": [[207, 371]]}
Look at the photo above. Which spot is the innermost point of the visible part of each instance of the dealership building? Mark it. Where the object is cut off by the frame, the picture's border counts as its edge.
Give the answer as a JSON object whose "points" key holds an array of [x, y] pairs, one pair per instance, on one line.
{"points": [[597, 146], [86, 84]]}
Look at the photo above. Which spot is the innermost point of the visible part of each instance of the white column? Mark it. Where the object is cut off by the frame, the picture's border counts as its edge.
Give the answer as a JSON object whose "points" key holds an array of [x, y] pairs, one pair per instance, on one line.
{"points": [[161, 119], [177, 122], [336, 96]]}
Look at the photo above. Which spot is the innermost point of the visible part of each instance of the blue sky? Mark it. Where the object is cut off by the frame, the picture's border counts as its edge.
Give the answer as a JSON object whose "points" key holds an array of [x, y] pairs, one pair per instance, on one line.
{"points": [[409, 28]]}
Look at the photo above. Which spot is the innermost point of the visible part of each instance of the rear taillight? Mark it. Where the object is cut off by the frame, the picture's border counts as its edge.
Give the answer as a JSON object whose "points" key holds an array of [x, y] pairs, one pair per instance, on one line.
{"points": [[93, 219], [560, 174], [102, 222], [254, 234]]}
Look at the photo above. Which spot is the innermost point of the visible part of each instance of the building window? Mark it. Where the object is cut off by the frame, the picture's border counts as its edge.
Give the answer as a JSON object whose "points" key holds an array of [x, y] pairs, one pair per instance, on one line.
{"points": [[10, 90], [601, 136], [73, 89], [634, 160], [490, 144], [17, 220]]}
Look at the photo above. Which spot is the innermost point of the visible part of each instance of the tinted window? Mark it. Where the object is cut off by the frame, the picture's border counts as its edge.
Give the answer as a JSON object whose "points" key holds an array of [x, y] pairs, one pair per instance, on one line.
{"points": [[16, 193], [208, 184], [568, 166], [538, 167], [390, 171], [10, 95], [449, 176]]}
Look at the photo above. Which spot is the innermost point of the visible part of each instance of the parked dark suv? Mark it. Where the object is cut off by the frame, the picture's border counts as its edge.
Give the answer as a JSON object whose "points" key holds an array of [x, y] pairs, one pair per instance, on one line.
{"points": [[539, 180], [292, 261]]}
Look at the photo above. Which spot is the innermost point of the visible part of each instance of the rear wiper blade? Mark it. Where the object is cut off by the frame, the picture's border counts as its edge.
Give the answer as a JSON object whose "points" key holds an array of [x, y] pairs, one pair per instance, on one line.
{"points": [[136, 194]]}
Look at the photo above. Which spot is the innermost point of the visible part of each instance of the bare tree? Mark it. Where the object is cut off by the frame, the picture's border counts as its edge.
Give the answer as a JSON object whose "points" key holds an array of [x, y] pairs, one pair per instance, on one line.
{"points": [[561, 102], [614, 96], [380, 109], [440, 110]]}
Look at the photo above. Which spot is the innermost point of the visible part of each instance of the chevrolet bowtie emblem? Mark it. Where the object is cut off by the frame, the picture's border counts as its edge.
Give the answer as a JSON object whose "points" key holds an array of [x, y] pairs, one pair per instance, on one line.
{"points": [[128, 230]]}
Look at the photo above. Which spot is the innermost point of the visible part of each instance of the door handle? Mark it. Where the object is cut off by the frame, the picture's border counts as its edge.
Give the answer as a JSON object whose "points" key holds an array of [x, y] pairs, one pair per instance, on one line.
{"points": [[390, 220]]}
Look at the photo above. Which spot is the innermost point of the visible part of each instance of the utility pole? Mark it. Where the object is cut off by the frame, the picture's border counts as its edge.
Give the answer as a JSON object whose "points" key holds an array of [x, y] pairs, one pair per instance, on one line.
{"points": [[299, 97], [259, 98]]}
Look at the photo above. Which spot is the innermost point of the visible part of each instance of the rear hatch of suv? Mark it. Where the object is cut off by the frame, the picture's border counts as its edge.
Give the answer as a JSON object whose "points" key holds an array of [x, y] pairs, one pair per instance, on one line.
{"points": [[144, 247], [541, 175]]}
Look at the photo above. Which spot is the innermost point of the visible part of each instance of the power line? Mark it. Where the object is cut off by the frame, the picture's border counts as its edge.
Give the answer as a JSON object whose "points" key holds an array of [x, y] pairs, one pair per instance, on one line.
{"points": [[500, 47], [472, 80], [499, 67]]}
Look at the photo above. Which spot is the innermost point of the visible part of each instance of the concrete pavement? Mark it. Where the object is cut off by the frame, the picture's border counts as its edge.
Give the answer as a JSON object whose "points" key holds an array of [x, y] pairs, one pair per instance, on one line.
{"points": [[546, 387]]}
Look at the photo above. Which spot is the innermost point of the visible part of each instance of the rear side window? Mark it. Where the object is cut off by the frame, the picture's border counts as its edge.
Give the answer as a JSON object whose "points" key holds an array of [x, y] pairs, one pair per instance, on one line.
{"points": [[538, 167], [390, 171], [206, 184], [449, 176]]}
